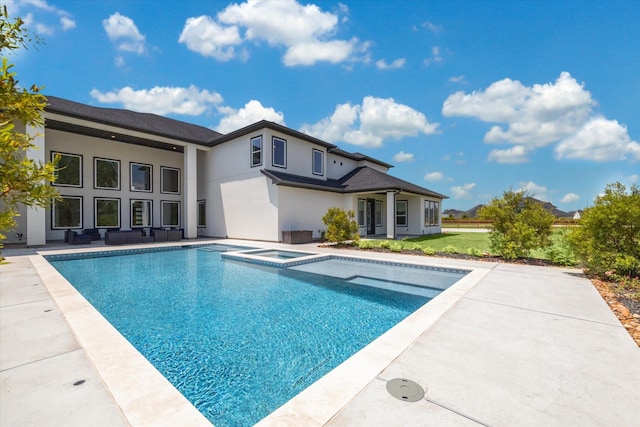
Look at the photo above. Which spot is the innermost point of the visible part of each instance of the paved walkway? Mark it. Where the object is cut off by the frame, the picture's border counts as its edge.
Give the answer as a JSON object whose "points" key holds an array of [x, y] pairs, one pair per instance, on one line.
{"points": [[511, 345]]}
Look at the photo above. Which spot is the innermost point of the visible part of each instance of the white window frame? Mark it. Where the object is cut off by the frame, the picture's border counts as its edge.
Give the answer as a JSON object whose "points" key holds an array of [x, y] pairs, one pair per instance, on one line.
{"points": [[275, 140], [133, 188], [406, 214], [362, 212], [164, 169], [378, 213], [256, 150], [95, 173], [96, 212], [56, 173], [431, 213], [54, 213], [317, 166], [202, 217], [163, 203], [147, 213]]}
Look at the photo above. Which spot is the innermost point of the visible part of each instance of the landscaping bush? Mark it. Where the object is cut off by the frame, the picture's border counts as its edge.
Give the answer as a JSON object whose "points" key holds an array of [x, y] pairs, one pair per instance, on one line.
{"points": [[385, 244], [396, 247], [608, 235], [520, 224], [365, 244], [428, 250], [450, 249], [341, 225], [474, 252], [561, 253]]}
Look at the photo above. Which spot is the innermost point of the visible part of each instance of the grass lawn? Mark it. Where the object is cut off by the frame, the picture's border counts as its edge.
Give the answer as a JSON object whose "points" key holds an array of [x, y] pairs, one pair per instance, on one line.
{"points": [[463, 243]]}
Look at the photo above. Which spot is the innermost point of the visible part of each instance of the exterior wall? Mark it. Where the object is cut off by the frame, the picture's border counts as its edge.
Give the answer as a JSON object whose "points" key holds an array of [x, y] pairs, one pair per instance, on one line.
{"points": [[88, 148], [338, 166], [378, 197], [298, 158], [301, 209], [431, 229]]}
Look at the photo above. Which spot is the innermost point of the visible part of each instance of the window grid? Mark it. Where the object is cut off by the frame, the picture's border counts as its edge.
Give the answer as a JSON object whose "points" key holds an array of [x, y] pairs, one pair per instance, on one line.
{"points": [[361, 212], [401, 213]]}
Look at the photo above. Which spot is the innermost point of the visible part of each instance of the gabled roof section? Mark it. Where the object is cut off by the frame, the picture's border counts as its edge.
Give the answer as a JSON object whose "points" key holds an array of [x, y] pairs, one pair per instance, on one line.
{"points": [[262, 124], [362, 179], [131, 120]]}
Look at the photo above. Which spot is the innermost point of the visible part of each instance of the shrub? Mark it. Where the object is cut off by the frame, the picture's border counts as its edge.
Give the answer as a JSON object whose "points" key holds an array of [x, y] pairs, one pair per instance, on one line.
{"points": [[608, 234], [561, 253], [520, 224], [450, 249], [428, 250], [396, 247], [474, 252], [341, 225], [365, 244], [385, 244]]}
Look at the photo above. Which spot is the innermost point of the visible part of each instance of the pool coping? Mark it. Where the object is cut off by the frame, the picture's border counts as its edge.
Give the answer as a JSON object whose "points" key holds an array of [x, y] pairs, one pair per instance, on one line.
{"points": [[122, 368]]}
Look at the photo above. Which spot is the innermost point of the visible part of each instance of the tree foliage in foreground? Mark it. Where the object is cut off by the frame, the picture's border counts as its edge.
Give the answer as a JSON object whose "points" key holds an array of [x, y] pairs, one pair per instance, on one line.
{"points": [[22, 180], [608, 236], [520, 224], [341, 225]]}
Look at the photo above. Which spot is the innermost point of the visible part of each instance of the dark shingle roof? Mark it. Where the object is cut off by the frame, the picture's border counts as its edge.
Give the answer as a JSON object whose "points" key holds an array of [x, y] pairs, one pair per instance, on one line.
{"points": [[359, 180], [144, 122]]}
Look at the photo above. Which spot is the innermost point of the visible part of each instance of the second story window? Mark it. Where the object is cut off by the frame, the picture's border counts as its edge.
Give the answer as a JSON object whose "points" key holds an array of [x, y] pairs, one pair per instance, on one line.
{"points": [[256, 151], [318, 162], [279, 152]]}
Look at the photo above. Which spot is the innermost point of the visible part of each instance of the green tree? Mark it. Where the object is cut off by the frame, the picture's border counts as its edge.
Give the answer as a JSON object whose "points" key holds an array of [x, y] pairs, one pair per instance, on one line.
{"points": [[608, 235], [22, 180], [519, 224], [341, 225]]}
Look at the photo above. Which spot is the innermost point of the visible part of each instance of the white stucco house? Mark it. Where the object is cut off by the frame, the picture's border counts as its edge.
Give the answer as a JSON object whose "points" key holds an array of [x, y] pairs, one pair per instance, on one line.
{"points": [[127, 170]]}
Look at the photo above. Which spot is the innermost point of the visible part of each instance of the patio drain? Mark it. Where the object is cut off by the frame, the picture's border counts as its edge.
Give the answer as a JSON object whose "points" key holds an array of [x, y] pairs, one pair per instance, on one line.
{"points": [[405, 390]]}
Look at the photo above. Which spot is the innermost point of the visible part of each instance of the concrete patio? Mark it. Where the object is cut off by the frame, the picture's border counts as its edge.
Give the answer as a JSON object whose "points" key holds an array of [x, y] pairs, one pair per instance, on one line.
{"points": [[512, 345]]}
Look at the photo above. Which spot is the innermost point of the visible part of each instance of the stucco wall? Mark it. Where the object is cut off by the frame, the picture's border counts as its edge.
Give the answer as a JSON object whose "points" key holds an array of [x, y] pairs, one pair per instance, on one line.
{"points": [[89, 148], [302, 209]]}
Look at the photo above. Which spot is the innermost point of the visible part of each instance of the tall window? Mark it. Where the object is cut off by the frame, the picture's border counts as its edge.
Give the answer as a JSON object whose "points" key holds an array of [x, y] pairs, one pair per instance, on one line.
{"points": [[141, 214], [141, 177], [169, 180], [318, 162], [256, 151], [106, 174], [170, 213], [202, 213], [431, 213], [279, 152], [66, 213], [107, 212], [401, 213], [362, 204], [378, 213], [69, 170]]}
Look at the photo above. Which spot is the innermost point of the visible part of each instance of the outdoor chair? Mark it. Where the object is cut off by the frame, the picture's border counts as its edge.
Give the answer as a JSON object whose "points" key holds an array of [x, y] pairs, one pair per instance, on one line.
{"points": [[73, 238]]}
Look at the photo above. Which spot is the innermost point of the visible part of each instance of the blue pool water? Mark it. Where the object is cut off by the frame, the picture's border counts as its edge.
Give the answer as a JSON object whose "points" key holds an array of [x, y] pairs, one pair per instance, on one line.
{"points": [[238, 340]]}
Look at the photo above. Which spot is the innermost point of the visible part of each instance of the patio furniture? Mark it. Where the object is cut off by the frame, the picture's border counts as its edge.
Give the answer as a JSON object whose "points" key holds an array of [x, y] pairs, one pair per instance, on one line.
{"points": [[159, 234], [93, 232], [293, 237], [122, 237], [174, 235], [73, 238]]}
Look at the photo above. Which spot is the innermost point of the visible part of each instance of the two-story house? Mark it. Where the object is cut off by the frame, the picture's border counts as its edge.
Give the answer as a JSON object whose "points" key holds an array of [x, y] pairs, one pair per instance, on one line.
{"points": [[123, 169]]}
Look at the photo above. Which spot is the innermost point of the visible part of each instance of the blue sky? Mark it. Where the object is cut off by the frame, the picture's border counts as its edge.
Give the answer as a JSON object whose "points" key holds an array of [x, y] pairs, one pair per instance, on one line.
{"points": [[467, 98]]}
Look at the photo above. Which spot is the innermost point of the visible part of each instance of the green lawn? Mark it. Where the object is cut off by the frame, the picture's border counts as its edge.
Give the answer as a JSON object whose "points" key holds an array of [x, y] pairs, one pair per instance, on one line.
{"points": [[463, 243]]}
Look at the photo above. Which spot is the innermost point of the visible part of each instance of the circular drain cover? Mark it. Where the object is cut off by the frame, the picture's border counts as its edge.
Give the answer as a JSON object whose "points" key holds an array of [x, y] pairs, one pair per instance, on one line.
{"points": [[405, 390]]}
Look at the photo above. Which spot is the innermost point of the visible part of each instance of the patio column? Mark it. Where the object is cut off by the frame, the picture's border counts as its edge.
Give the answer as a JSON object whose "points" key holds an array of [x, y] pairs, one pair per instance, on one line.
{"points": [[190, 191], [36, 216], [391, 220]]}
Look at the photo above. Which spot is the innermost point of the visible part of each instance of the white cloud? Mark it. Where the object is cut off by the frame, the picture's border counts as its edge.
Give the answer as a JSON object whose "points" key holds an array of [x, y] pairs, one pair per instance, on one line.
{"points": [[463, 191], [434, 176], [395, 64], [515, 154], [252, 112], [305, 31], [535, 190], [542, 114], [432, 27], [208, 38], [162, 100], [67, 23], [633, 179], [403, 157], [600, 140], [124, 32], [435, 58], [371, 123], [456, 79], [570, 198]]}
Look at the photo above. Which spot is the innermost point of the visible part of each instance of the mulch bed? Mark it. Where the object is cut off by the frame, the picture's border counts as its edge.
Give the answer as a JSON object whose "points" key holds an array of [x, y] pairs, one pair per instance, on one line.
{"points": [[626, 309]]}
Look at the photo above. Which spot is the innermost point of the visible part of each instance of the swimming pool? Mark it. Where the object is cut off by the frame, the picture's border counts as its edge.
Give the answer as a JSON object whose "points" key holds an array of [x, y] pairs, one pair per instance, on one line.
{"points": [[222, 332]]}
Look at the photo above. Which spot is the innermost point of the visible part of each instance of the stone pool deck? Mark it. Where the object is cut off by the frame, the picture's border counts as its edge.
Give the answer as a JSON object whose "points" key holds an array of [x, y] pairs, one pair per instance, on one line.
{"points": [[511, 345]]}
